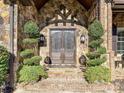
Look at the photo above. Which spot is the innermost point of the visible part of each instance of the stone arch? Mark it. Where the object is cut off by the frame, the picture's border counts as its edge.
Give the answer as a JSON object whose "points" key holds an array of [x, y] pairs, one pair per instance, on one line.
{"points": [[80, 48], [55, 8]]}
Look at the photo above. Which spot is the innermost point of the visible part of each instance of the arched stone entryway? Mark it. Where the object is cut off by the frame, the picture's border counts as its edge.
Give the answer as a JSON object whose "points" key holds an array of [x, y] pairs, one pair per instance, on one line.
{"points": [[77, 48], [62, 23]]}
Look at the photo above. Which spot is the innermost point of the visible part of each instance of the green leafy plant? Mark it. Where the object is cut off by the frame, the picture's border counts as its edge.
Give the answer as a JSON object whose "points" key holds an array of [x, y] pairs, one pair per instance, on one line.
{"points": [[29, 74], [96, 62], [93, 55], [96, 29], [31, 29], [4, 60], [101, 50], [30, 41], [32, 61], [27, 53], [95, 43], [97, 74]]}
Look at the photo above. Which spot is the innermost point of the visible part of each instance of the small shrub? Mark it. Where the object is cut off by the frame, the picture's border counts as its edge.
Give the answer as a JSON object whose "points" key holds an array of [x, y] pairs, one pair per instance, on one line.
{"points": [[95, 43], [97, 74], [4, 60], [30, 41], [29, 74], [27, 53], [96, 30], [31, 29], [96, 62], [32, 61], [93, 55], [101, 50]]}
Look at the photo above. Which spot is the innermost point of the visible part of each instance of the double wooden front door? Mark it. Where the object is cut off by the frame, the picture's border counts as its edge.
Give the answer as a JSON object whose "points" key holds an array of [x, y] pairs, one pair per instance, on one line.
{"points": [[63, 46]]}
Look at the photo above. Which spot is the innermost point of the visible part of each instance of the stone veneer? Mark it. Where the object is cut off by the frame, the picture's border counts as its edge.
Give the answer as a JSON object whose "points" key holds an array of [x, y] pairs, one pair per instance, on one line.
{"points": [[48, 11], [106, 20], [4, 24], [26, 13], [81, 49]]}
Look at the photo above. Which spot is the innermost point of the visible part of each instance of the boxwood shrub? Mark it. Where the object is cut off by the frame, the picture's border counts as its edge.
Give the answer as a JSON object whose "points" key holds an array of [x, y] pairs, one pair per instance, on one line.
{"points": [[96, 30], [32, 61], [31, 29], [101, 50], [97, 74], [96, 62], [27, 53], [30, 41], [95, 43], [4, 60], [29, 74], [93, 55]]}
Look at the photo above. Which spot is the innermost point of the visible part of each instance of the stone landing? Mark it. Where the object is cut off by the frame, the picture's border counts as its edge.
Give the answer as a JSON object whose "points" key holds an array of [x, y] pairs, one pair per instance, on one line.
{"points": [[65, 80]]}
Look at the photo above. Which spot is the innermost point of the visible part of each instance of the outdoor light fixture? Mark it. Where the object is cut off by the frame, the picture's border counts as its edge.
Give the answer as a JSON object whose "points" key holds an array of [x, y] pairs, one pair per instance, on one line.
{"points": [[82, 38], [42, 40]]}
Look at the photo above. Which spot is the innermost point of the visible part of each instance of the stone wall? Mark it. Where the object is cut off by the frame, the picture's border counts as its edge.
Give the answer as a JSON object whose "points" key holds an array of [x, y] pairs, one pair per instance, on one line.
{"points": [[80, 48], [25, 13], [4, 24], [49, 10], [106, 20]]}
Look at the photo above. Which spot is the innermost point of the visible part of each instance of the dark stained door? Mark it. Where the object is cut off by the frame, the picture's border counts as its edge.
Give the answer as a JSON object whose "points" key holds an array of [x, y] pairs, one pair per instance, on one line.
{"points": [[63, 46]]}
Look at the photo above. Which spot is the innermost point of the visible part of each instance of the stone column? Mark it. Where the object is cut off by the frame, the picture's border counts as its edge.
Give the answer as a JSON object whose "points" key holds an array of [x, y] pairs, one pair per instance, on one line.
{"points": [[106, 20], [109, 27], [103, 20]]}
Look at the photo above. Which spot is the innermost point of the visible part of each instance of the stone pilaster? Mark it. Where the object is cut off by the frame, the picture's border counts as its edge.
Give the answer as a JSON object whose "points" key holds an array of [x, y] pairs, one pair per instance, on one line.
{"points": [[106, 20], [111, 53]]}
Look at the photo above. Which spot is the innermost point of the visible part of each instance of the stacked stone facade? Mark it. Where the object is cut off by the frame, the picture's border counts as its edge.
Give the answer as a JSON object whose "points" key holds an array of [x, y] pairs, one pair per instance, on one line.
{"points": [[25, 13], [4, 24]]}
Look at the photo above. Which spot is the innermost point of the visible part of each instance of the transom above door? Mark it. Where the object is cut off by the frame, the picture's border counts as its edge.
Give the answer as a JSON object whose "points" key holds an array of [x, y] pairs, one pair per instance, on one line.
{"points": [[62, 46]]}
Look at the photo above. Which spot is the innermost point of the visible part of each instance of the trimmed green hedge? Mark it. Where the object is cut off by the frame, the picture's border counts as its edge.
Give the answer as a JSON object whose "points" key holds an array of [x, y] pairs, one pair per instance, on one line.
{"points": [[4, 61], [31, 29], [32, 61], [27, 53], [29, 74], [30, 41], [101, 50], [96, 30], [93, 55], [96, 62], [97, 74], [95, 43]]}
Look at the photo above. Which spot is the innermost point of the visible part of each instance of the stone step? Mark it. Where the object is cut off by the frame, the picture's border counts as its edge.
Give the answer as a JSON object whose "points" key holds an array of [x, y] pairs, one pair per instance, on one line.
{"points": [[67, 80], [97, 88]]}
